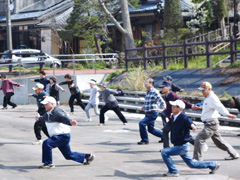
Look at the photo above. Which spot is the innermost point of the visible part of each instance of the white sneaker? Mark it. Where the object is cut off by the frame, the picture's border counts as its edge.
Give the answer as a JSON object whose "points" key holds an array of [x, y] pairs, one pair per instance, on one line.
{"points": [[205, 147], [232, 158], [89, 119], [106, 118], [37, 142]]}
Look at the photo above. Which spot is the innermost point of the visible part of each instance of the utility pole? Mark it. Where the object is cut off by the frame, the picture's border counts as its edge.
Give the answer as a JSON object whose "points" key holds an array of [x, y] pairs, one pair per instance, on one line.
{"points": [[9, 26]]}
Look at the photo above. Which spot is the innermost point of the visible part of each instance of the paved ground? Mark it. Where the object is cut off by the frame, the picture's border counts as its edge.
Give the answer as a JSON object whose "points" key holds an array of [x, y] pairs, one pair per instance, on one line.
{"points": [[118, 157]]}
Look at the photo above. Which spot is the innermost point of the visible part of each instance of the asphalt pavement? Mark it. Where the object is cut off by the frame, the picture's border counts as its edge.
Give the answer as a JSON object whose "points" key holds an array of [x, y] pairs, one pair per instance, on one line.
{"points": [[117, 155]]}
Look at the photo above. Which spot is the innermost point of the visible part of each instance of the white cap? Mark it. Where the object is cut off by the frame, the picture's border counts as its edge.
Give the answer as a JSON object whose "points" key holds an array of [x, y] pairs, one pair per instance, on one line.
{"points": [[178, 103], [49, 99], [92, 81], [38, 86]]}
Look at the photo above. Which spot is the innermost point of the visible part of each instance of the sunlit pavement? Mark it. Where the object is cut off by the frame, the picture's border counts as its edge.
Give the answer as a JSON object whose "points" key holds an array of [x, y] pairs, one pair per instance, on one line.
{"points": [[118, 157]]}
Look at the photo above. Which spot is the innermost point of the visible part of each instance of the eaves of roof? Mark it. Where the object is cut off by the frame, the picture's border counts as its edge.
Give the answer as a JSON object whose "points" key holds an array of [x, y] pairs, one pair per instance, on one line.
{"points": [[152, 6], [34, 14]]}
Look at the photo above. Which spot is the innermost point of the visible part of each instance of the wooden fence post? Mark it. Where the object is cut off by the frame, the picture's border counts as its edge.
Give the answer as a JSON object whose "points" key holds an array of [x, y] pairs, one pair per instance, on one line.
{"points": [[126, 60], [207, 53], [144, 57], [232, 49], [185, 51], [164, 55]]}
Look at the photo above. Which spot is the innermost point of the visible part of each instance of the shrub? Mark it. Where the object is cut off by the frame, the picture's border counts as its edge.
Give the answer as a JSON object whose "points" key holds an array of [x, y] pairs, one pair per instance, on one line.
{"points": [[134, 80]]}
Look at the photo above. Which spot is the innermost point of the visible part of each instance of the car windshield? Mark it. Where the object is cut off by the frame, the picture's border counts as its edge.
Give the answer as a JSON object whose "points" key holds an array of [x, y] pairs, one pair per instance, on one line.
{"points": [[5, 56]]}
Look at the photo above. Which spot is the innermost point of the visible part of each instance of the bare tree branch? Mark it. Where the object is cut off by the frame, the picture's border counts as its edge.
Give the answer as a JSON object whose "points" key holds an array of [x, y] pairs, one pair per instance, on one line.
{"points": [[117, 24]]}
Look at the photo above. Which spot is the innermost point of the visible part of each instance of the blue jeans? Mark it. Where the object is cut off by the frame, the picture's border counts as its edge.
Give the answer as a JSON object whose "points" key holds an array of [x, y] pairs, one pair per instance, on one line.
{"points": [[183, 152], [149, 121], [62, 142], [95, 107]]}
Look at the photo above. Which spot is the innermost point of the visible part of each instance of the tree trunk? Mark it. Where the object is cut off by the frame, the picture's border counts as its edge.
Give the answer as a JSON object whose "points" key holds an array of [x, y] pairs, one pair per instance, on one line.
{"points": [[223, 28], [128, 35], [126, 30]]}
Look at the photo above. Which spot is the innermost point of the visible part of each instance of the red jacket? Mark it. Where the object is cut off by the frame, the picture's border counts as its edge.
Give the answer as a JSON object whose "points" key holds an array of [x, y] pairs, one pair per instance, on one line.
{"points": [[7, 86]]}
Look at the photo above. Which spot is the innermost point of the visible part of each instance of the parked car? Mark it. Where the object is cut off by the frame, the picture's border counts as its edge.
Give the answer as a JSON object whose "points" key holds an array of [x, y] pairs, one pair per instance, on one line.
{"points": [[29, 58]]}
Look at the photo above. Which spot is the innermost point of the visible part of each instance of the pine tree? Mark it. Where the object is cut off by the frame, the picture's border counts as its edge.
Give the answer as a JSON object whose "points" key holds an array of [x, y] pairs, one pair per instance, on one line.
{"points": [[220, 12], [172, 17]]}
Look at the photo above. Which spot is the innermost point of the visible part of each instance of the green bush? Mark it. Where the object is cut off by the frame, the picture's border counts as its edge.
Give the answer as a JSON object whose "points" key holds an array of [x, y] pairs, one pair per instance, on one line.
{"points": [[112, 75], [3, 68], [235, 64], [78, 66]]}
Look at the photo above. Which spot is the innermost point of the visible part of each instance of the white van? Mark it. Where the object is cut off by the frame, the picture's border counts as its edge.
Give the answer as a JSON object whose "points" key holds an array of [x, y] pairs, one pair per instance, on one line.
{"points": [[29, 58]]}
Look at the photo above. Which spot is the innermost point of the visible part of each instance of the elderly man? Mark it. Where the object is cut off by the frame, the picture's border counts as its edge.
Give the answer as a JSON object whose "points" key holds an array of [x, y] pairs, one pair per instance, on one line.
{"points": [[169, 95], [210, 113], [151, 107], [180, 136], [58, 123]]}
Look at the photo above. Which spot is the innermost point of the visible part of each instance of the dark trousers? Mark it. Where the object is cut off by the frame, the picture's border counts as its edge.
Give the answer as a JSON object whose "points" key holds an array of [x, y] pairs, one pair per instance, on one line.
{"points": [[62, 142], [79, 101], [7, 100], [40, 125], [115, 109]]}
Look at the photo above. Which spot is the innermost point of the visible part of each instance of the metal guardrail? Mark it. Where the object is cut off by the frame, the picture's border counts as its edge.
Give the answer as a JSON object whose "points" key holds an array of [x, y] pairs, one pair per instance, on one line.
{"points": [[113, 57], [135, 104]]}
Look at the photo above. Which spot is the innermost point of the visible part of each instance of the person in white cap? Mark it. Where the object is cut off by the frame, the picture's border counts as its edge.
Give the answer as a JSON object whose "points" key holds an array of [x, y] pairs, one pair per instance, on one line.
{"points": [[93, 99], [40, 94], [180, 137], [58, 122], [211, 108]]}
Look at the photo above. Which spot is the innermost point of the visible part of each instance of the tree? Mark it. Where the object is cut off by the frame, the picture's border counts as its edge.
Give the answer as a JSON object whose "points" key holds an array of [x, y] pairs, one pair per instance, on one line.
{"points": [[126, 30], [220, 11], [89, 18], [200, 15], [172, 17], [85, 22]]}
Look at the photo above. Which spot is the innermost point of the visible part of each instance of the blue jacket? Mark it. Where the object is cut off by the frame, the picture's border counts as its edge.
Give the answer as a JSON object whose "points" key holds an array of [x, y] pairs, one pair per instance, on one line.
{"points": [[180, 133], [45, 81], [40, 98]]}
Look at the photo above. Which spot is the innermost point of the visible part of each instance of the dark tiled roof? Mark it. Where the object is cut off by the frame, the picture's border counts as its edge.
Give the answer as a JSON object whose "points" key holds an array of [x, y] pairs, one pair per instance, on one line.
{"points": [[151, 6], [34, 14]]}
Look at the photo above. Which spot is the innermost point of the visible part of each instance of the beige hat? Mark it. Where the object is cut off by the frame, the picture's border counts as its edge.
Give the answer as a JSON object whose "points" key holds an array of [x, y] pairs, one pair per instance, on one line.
{"points": [[49, 99], [178, 103], [205, 85], [38, 86]]}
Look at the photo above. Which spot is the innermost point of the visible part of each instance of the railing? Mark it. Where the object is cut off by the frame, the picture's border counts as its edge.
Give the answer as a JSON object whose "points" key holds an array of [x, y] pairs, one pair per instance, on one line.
{"points": [[133, 101], [185, 54], [111, 57]]}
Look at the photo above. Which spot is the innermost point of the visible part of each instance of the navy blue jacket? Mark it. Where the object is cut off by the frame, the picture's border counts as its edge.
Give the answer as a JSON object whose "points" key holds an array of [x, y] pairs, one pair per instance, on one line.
{"points": [[180, 133], [45, 81]]}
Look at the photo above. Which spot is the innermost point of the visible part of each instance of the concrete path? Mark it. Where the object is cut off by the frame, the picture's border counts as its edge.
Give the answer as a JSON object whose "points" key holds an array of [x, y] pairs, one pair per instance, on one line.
{"points": [[118, 157]]}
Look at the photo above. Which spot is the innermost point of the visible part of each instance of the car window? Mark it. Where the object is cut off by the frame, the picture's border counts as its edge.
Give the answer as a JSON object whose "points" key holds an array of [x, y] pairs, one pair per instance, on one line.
{"points": [[18, 53], [25, 54], [34, 53]]}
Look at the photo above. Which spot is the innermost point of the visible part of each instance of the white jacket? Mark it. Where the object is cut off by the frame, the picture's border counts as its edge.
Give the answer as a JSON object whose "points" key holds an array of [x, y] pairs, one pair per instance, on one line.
{"points": [[212, 106]]}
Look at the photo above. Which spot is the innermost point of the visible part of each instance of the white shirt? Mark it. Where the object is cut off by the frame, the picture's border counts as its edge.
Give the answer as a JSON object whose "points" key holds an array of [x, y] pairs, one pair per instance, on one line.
{"points": [[94, 94], [175, 116], [56, 128], [211, 108]]}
